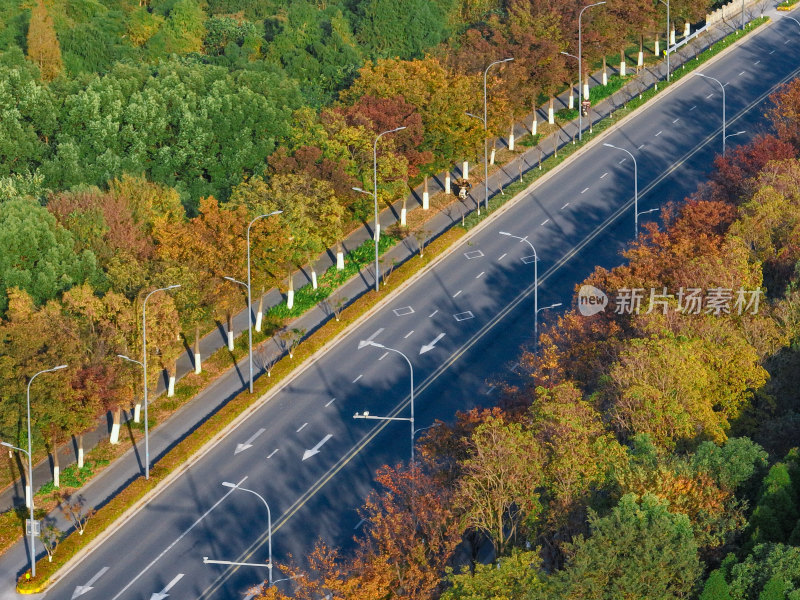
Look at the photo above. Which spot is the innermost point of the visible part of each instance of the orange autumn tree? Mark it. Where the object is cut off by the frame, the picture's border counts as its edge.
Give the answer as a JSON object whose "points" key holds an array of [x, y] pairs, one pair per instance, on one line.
{"points": [[43, 46]]}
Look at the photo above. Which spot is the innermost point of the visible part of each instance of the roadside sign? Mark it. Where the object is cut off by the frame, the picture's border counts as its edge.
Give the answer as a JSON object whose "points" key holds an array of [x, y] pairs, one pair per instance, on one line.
{"points": [[37, 527]]}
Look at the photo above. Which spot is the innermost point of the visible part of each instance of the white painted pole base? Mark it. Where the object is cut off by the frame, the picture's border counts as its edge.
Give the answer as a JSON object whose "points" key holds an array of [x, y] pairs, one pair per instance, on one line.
{"points": [[377, 235], [465, 170], [447, 188], [672, 37], [534, 125], [687, 30], [57, 476], [230, 340], [403, 214], [259, 316], [657, 48], [491, 156], [313, 279], [640, 60], [171, 387], [571, 99], [80, 458], [198, 363], [586, 91], [28, 496], [289, 300], [622, 69], [137, 413], [426, 201], [605, 78], [551, 116], [511, 140], [340, 261], [114, 439]]}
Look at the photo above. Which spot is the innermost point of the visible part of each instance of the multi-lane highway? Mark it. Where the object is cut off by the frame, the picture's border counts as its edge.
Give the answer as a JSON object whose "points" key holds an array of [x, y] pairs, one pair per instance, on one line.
{"points": [[304, 452]]}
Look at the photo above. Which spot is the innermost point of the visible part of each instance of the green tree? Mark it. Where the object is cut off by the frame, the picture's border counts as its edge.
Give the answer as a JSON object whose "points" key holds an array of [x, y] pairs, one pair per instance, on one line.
{"points": [[513, 577], [639, 550], [38, 255], [716, 588]]}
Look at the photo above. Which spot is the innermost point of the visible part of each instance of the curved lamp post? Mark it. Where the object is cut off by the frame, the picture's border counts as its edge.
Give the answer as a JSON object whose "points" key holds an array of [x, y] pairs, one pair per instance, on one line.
{"points": [[724, 137], [580, 65]]}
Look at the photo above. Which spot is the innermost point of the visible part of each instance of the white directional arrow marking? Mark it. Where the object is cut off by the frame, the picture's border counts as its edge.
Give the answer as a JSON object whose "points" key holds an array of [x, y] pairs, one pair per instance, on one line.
{"points": [[248, 443], [82, 589], [429, 347], [315, 449], [163, 593]]}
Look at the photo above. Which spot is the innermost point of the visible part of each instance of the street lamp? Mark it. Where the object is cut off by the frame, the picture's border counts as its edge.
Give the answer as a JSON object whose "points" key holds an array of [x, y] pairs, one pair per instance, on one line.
{"points": [[730, 135], [668, 37], [237, 486], [485, 139], [723, 107], [635, 188], [144, 368], [535, 287], [375, 194], [556, 305], [29, 490], [366, 415], [249, 295], [580, 65]]}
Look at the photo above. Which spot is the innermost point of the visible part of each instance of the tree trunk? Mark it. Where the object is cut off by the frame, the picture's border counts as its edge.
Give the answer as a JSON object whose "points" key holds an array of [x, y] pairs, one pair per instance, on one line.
{"points": [[447, 189], [551, 115], [586, 87], [80, 451], [198, 365], [640, 60], [572, 95], [290, 292], [403, 212], [687, 29], [656, 46], [426, 199], [535, 120], [313, 275], [340, 255], [622, 62], [56, 464], [511, 136], [671, 34], [465, 169], [114, 438], [229, 321], [605, 71], [260, 313], [172, 374], [493, 152]]}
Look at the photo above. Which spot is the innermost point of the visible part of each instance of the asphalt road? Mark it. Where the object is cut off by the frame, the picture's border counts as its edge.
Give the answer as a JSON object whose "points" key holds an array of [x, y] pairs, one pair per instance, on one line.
{"points": [[480, 298]]}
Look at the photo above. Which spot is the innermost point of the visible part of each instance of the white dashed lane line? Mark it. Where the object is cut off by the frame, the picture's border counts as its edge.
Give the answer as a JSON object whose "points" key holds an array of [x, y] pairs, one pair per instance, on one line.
{"points": [[479, 275], [758, 61], [457, 293], [502, 257], [710, 95], [271, 454], [640, 147], [786, 42], [676, 120], [773, 52], [384, 355], [331, 401], [691, 109], [303, 426], [623, 160], [433, 313], [603, 176], [659, 133], [585, 190], [742, 73], [546, 221], [408, 334], [357, 378], [565, 206]]}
